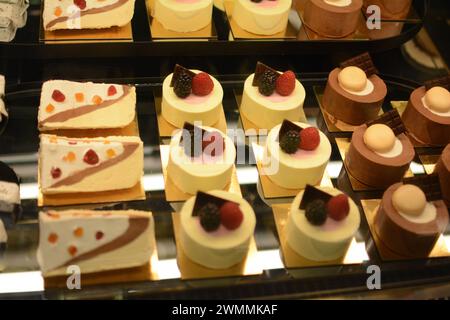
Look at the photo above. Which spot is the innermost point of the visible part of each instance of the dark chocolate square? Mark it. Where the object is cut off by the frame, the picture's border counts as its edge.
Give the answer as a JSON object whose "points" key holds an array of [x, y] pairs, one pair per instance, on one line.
{"points": [[392, 119], [429, 184], [259, 71], [203, 199], [312, 193], [363, 61]]}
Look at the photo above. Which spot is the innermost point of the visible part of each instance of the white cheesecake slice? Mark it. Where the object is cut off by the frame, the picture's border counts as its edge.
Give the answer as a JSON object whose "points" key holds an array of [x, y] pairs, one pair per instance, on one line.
{"points": [[69, 165], [222, 248], [95, 241], [183, 15], [76, 105], [86, 14], [202, 173], [325, 242], [177, 111], [266, 17]]}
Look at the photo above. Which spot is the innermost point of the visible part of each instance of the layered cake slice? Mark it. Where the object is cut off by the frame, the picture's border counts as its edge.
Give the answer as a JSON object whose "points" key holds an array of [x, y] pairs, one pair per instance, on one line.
{"points": [[354, 93], [332, 18], [322, 223], [95, 241], [295, 155], [69, 165], [443, 170], [216, 229], [380, 153], [190, 96], [86, 14], [200, 159], [270, 97], [427, 115], [262, 17], [77, 105], [183, 15], [412, 216]]}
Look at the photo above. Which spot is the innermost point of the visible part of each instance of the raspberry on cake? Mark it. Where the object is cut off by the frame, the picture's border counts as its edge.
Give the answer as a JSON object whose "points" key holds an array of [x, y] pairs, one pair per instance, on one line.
{"points": [[191, 96], [322, 223], [216, 229], [93, 14], [287, 164], [270, 97]]}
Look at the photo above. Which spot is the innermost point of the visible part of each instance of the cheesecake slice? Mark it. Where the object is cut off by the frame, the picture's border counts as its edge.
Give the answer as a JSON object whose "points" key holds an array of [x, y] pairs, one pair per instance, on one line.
{"points": [[95, 241], [69, 165], [77, 105]]}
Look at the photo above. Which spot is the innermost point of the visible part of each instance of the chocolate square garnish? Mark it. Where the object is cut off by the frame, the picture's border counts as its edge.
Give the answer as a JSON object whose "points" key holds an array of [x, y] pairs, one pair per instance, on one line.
{"points": [[363, 61], [178, 71], [194, 133], [429, 184], [439, 82], [287, 126], [259, 71], [204, 198], [392, 119], [312, 193]]}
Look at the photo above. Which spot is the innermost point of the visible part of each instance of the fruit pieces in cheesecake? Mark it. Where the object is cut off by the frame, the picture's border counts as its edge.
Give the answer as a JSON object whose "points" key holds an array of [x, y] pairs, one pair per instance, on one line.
{"points": [[77, 105], [95, 241], [75, 165]]}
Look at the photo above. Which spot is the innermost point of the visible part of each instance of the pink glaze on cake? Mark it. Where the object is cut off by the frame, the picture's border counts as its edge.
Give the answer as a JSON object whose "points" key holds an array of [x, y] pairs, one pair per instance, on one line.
{"points": [[275, 97], [268, 3], [222, 231], [186, 1], [303, 154], [193, 99], [331, 225]]}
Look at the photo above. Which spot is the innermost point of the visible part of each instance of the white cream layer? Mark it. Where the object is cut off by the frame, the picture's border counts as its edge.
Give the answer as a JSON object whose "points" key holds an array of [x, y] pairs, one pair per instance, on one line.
{"points": [[367, 90], [441, 114], [177, 111], [297, 170], [220, 249], [321, 243], [396, 150], [263, 18], [267, 112], [191, 175], [428, 214], [338, 3]]}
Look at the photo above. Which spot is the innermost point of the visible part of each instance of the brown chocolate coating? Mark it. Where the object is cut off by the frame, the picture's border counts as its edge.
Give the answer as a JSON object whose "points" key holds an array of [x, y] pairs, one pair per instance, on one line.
{"points": [[372, 169], [350, 108], [424, 125], [443, 170], [390, 9], [403, 236], [332, 21]]}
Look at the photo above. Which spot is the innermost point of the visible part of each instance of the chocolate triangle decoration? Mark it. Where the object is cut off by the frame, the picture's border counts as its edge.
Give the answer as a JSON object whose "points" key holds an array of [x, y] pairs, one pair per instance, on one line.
{"points": [[429, 184], [178, 71], [440, 82], [312, 193], [259, 71], [363, 61], [287, 126], [204, 198], [194, 148], [392, 119]]}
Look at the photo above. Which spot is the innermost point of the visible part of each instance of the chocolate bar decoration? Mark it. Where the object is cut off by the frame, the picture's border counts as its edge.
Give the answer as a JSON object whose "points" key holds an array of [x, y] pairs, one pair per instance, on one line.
{"points": [[440, 82], [196, 135], [312, 193], [287, 126], [204, 198], [429, 184], [178, 71], [259, 71], [363, 61], [392, 119]]}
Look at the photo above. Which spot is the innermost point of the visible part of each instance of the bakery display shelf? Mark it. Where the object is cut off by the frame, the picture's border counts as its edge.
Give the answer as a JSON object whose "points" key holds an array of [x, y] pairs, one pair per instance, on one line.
{"points": [[31, 43], [18, 147]]}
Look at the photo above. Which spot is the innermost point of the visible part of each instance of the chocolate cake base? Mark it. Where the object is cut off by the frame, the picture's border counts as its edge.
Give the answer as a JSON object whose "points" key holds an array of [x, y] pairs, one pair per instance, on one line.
{"points": [[349, 108], [443, 170], [372, 169], [332, 21], [424, 125], [403, 236]]}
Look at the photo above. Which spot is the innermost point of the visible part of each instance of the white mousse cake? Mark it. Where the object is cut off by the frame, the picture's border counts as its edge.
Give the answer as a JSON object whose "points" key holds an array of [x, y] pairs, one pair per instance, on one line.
{"points": [[69, 165], [190, 96], [200, 159], [87, 14], [95, 241], [183, 15], [76, 105], [216, 229], [295, 155], [322, 223], [270, 97], [262, 17]]}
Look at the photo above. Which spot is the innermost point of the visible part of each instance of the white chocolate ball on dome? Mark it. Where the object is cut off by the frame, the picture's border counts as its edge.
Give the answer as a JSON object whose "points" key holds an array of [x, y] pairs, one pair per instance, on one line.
{"points": [[438, 99], [409, 199], [379, 138], [353, 79]]}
